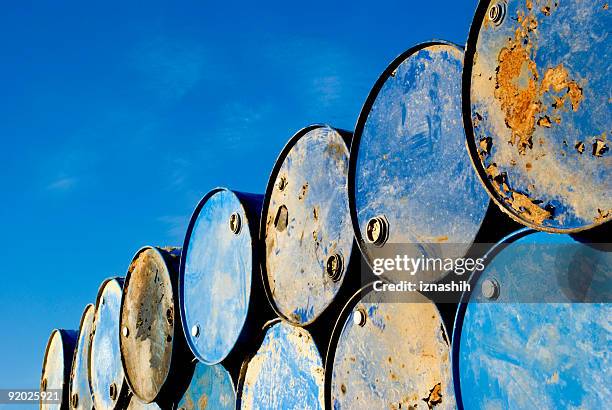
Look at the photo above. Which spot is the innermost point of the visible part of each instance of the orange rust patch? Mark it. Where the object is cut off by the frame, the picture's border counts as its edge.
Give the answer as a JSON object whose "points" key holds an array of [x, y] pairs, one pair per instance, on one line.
{"points": [[599, 147], [435, 396], [602, 215], [519, 103], [544, 122], [558, 79], [528, 209], [203, 402], [519, 90]]}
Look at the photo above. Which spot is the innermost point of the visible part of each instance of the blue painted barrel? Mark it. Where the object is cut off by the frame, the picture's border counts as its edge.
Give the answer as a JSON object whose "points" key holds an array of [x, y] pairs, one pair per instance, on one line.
{"points": [[80, 393], [154, 353], [387, 354], [306, 228], [537, 110], [410, 177], [106, 376], [211, 387], [286, 372], [57, 362], [221, 296], [512, 351]]}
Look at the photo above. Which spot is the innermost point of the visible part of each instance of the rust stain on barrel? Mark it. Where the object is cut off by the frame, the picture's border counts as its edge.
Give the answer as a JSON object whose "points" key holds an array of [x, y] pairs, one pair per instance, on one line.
{"points": [[520, 91], [148, 315]]}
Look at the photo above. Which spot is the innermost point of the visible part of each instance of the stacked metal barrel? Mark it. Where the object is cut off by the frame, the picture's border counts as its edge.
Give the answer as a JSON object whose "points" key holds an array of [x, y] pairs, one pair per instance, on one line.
{"points": [[266, 305]]}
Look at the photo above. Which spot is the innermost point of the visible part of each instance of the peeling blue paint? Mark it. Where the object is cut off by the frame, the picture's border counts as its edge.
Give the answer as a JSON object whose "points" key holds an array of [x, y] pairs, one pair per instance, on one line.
{"points": [[389, 355], [409, 162], [546, 355], [217, 271], [285, 373], [211, 388], [308, 183], [106, 377]]}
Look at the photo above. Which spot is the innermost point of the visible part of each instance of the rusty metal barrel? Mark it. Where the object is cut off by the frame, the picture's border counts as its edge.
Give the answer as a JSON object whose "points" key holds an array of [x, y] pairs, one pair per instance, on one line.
{"points": [[211, 387], [410, 178], [154, 353], [106, 377], [305, 227], [286, 372], [57, 362], [389, 354], [535, 330], [537, 110], [222, 299], [80, 393]]}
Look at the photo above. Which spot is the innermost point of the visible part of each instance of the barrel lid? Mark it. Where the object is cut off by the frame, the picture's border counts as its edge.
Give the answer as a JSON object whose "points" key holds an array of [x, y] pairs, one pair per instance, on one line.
{"points": [[80, 393], [537, 110], [211, 387], [286, 372], [56, 368], [147, 323], [306, 224], [216, 275], [106, 376], [522, 335], [410, 176], [389, 355]]}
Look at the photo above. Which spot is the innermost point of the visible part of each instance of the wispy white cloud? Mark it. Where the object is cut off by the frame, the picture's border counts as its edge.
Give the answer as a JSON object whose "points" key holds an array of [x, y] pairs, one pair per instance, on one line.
{"points": [[176, 226], [62, 184]]}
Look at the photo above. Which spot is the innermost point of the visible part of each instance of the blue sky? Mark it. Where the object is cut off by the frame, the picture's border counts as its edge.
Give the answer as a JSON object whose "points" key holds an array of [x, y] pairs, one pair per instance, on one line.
{"points": [[116, 118]]}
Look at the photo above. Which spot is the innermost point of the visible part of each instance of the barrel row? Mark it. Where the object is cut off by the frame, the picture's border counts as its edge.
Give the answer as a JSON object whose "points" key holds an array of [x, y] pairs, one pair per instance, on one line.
{"points": [[452, 146]]}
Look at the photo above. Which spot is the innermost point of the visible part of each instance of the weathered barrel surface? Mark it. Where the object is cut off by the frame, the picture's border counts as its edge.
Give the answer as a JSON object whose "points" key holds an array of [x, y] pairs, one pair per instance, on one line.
{"points": [[537, 110], [106, 376], [136, 404], [151, 335], [285, 373], [211, 388], [80, 393], [510, 352], [410, 177], [219, 268], [306, 224], [57, 362], [391, 355]]}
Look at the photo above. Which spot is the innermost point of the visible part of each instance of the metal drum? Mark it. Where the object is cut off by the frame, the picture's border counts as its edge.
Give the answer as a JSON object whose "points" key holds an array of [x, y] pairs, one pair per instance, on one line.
{"points": [[220, 278], [391, 355], [106, 378], [285, 373], [211, 388], [410, 177], [306, 224], [56, 369], [537, 110], [80, 393], [153, 348], [512, 351]]}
